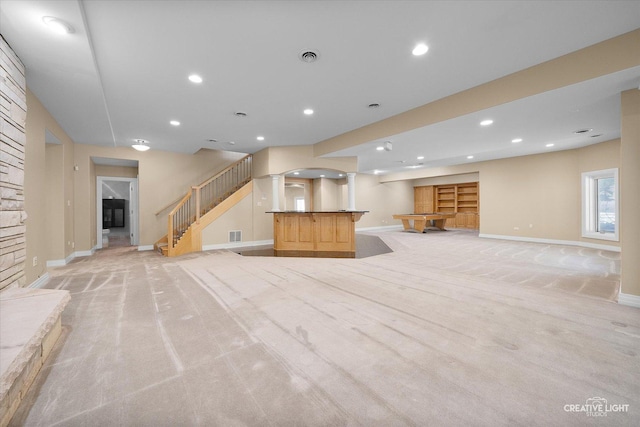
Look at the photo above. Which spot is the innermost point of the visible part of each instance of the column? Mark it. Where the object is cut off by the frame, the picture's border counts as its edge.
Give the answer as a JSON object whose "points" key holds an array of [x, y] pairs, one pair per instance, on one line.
{"points": [[275, 191], [351, 190], [630, 198]]}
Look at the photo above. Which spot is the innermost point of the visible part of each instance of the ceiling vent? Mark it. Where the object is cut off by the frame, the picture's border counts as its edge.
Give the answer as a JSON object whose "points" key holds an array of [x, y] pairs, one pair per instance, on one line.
{"points": [[309, 56]]}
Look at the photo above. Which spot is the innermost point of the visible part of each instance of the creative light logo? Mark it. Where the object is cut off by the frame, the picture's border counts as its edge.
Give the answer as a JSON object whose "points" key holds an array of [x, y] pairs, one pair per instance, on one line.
{"points": [[596, 407]]}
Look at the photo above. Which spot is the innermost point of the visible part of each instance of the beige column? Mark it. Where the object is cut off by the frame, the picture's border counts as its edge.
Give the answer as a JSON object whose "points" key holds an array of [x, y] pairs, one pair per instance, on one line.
{"points": [[630, 198]]}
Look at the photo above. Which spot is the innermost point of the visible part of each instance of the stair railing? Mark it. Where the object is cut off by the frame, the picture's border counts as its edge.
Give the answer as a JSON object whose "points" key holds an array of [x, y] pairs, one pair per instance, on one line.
{"points": [[204, 197]]}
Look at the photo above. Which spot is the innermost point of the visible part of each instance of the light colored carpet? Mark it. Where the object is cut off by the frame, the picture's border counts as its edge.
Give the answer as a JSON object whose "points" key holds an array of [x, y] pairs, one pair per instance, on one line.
{"points": [[449, 329]]}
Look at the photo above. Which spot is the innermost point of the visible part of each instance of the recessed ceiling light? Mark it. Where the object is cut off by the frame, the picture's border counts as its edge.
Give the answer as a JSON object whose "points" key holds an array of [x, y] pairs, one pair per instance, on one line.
{"points": [[583, 131], [516, 140], [195, 78], [57, 25], [549, 145], [321, 176], [140, 145], [420, 49], [308, 111], [232, 143], [174, 123], [240, 114], [212, 140], [420, 157], [260, 138], [376, 171], [340, 174], [469, 157], [296, 173], [486, 122], [379, 148], [374, 105]]}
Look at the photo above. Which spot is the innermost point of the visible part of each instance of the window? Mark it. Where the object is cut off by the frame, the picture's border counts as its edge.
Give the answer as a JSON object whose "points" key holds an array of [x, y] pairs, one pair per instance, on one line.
{"points": [[299, 201], [600, 204]]}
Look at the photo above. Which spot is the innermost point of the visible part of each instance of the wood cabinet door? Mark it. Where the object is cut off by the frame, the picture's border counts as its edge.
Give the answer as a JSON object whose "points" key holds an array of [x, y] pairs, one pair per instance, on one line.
{"points": [[423, 199]]}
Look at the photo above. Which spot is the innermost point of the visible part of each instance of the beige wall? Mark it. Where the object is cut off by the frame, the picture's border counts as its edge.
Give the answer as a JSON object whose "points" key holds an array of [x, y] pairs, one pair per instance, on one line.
{"points": [[540, 195], [163, 177], [280, 160], [240, 217], [290, 195], [630, 193], [382, 200], [116, 171], [447, 179], [249, 215], [54, 203], [44, 174], [326, 194]]}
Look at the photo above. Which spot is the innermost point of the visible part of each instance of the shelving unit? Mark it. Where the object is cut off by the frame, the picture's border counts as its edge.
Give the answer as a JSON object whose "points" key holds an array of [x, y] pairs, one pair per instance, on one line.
{"points": [[463, 199]]}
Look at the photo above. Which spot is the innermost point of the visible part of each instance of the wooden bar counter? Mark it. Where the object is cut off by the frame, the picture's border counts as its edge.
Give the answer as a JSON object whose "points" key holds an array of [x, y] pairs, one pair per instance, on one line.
{"points": [[326, 234]]}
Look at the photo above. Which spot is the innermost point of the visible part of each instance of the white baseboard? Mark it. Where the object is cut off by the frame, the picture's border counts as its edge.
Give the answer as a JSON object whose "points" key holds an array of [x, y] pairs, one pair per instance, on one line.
{"points": [[628, 299], [40, 281], [552, 242], [381, 228], [145, 247], [67, 260], [237, 245]]}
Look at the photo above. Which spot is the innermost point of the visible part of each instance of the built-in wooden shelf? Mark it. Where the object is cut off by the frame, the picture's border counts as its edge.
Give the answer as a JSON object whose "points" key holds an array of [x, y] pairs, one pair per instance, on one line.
{"points": [[462, 199]]}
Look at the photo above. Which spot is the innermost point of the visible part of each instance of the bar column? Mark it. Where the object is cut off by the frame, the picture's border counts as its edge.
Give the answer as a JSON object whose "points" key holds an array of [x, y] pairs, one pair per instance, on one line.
{"points": [[275, 193], [351, 190]]}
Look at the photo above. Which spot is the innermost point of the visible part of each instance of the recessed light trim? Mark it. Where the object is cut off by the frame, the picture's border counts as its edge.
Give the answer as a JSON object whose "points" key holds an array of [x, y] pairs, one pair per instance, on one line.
{"points": [[260, 138], [174, 123], [420, 157], [579, 131], [194, 78], [420, 49], [240, 114], [322, 176], [57, 25], [516, 140], [373, 105], [469, 157], [486, 122], [549, 145], [296, 173], [380, 148], [308, 111]]}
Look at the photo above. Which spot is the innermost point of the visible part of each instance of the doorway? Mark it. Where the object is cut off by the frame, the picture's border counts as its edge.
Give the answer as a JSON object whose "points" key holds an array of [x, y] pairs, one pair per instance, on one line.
{"points": [[116, 211]]}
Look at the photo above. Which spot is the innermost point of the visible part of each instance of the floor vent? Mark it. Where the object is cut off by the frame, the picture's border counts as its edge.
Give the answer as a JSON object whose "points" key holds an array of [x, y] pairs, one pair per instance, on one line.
{"points": [[235, 236]]}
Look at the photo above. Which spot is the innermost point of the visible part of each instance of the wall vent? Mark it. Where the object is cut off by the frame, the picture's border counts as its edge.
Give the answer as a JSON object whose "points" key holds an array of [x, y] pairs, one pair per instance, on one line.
{"points": [[235, 236]]}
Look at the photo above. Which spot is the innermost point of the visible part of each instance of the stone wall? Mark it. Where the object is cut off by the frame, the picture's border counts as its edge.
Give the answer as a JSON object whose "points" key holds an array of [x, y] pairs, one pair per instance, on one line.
{"points": [[13, 114]]}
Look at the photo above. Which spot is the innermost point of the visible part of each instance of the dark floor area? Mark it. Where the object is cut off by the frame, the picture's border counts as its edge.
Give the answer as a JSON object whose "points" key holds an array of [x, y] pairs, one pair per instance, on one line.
{"points": [[366, 246]]}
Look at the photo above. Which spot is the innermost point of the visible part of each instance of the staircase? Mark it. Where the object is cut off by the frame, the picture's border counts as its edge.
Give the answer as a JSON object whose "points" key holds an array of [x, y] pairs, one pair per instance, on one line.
{"points": [[202, 205]]}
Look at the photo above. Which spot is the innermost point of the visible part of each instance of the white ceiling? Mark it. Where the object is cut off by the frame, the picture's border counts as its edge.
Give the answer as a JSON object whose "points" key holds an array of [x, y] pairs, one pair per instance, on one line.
{"points": [[123, 73]]}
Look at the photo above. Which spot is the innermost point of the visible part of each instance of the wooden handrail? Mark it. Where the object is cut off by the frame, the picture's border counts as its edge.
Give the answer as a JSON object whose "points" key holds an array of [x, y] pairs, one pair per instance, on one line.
{"points": [[175, 202], [227, 169], [180, 203]]}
